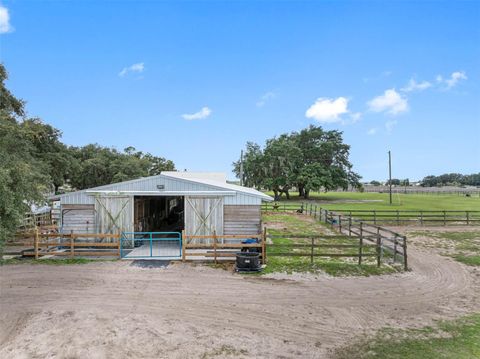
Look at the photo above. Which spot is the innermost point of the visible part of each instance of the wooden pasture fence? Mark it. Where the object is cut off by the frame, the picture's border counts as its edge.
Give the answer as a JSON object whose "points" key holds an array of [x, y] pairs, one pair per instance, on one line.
{"points": [[215, 246], [419, 217], [390, 217], [315, 246], [71, 244]]}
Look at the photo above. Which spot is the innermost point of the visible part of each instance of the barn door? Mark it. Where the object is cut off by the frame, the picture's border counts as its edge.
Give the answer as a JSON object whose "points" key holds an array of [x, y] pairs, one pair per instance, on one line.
{"points": [[114, 214], [203, 215]]}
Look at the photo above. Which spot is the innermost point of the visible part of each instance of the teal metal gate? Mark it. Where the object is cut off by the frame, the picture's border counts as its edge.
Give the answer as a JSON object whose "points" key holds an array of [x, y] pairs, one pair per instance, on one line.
{"points": [[151, 245]]}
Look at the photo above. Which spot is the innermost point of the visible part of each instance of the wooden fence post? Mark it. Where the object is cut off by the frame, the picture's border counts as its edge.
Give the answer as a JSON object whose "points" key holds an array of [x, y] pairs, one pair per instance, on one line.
{"points": [[444, 218], [264, 246], [119, 245], [360, 248], [405, 261], [215, 246], [468, 217], [379, 248], [350, 226], [311, 252], [315, 213], [35, 243], [184, 240], [72, 244], [421, 218], [340, 223], [374, 217], [395, 242], [398, 217]]}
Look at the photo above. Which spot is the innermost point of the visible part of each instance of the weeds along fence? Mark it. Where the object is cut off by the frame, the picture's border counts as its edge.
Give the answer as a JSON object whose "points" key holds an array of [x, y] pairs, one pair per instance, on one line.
{"points": [[390, 217], [358, 247], [70, 244], [385, 241], [220, 247]]}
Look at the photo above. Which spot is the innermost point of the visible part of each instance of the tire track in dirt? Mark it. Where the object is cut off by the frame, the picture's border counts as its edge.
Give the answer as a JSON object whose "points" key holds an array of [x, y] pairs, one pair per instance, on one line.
{"points": [[198, 307]]}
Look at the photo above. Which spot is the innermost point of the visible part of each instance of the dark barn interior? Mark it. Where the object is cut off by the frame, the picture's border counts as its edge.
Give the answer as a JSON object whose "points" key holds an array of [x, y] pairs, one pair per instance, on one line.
{"points": [[159, 214]]}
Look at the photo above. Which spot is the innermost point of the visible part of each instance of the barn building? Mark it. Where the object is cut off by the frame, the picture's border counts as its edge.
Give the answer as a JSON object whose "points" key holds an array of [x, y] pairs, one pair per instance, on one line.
{"points": [[198, 203]]}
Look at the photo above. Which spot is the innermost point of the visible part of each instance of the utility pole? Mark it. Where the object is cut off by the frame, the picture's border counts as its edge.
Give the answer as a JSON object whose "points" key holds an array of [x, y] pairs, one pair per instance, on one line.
{"points": [[241, 168], [390, 174]]}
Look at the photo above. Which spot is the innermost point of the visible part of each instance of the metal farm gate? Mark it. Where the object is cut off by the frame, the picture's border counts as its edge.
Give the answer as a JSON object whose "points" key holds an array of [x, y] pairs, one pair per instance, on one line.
{"points": [[151, 245]]}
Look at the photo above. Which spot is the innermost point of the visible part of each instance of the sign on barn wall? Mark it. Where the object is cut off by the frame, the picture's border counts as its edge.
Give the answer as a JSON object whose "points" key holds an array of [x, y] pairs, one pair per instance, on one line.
{"points": [[114, 213], [203, 215]]}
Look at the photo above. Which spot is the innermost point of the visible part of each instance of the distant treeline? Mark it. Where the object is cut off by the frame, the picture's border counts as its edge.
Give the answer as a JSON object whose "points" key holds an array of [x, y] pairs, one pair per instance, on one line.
{"points": [[34, 161], [452, 179], [447, 179]]}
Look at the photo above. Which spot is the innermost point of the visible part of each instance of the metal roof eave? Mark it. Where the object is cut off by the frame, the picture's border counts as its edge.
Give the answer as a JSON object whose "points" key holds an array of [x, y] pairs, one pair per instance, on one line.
{"points": [[161, 193]]}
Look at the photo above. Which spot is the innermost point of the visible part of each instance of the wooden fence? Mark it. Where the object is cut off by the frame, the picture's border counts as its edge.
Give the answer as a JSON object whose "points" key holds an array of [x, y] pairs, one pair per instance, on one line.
{"points": [[391, 217], [31, 220], [312, 247], [397, 217], [383, 238], [70, 244], [208, 247]]}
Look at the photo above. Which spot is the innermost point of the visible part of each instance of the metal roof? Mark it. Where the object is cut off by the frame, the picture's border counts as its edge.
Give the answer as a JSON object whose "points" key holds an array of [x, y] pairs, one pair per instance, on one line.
{"points": [[208, 186]]}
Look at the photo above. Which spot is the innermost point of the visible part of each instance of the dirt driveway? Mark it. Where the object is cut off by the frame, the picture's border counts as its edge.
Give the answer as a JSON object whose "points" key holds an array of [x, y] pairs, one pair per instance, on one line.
{"points": [[115, 310]]}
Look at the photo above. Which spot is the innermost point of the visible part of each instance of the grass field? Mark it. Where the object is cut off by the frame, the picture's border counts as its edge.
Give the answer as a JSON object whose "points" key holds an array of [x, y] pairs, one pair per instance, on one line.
{"points": [[282, 226], [458, 339], [380, 201]]}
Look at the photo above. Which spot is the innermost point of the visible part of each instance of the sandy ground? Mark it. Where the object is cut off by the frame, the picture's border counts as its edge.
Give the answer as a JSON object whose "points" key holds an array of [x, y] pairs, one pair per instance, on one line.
{"points": [[116, 310]]}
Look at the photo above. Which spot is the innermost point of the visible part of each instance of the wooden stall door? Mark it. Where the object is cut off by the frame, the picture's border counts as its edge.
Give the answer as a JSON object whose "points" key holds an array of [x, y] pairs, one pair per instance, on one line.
{"points": [[114, 214], [203, 215], [79, 218]]}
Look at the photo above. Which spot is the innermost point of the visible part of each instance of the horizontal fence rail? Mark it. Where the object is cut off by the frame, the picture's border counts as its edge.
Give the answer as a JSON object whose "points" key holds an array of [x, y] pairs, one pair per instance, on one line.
{"points": [[70, 244], [221, 246], [312, 246], [392, 217], [384, 239]]}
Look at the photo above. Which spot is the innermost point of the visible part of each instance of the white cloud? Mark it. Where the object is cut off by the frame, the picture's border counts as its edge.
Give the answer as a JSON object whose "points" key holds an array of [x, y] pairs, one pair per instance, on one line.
{"points": [[389, 125], [416, 86], [5, 20], [138, 68], [372, 131], [455, 78], [267, 96], [203, 113], [328, 110], [391, 102]]}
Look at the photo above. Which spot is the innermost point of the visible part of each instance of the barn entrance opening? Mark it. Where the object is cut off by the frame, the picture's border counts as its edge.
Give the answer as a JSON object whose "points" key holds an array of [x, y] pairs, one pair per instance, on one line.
{"points": [[159, 214]]}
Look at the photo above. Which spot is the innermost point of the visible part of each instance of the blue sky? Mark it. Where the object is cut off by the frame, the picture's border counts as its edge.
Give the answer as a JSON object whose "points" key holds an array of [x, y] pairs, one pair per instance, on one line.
{"points": [[193, 81]]}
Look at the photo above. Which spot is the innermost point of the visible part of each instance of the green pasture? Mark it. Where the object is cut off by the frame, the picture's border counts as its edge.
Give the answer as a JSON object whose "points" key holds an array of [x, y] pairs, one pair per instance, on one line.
{"points": [[380, 201]]}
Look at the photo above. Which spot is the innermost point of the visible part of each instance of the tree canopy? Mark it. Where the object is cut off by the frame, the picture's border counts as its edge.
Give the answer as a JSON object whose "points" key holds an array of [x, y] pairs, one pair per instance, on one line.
{"points": [[310, 160], [34, 162]]}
